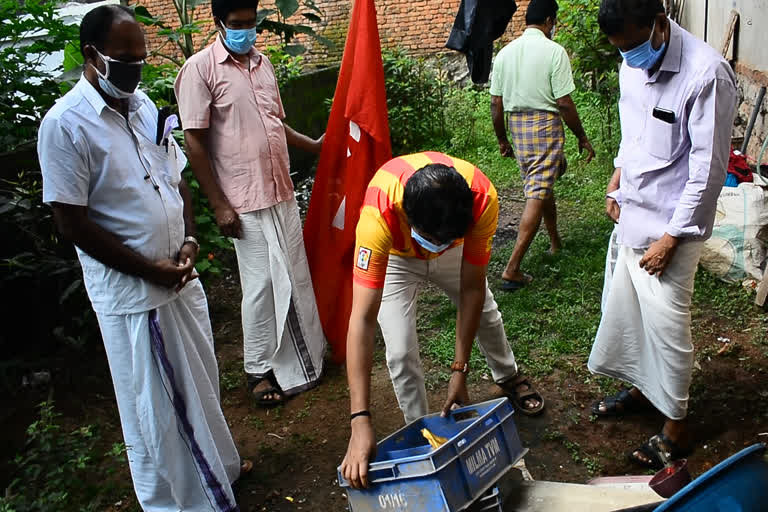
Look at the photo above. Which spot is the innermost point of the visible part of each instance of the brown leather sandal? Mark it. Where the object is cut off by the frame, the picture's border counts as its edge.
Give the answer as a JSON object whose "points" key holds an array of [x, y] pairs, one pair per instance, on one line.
{"points": [[519, 398]]}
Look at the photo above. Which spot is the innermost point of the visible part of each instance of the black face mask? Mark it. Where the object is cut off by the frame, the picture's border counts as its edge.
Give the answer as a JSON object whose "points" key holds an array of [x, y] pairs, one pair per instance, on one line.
{"points": [[121, 79]]}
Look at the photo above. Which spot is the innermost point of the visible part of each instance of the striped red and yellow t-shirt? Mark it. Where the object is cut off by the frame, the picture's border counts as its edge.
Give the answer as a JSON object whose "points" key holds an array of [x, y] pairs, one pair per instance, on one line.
{"points": [[383, 228]]}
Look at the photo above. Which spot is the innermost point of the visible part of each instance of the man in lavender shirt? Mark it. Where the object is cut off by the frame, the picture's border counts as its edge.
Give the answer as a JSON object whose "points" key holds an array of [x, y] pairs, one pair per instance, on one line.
{"points": [[678, 101]]}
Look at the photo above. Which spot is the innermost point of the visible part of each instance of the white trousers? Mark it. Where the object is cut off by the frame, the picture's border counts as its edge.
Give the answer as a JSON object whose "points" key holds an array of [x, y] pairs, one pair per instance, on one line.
{"points": [[281, 325], [166, 380], [644, 336], [397, 318]]}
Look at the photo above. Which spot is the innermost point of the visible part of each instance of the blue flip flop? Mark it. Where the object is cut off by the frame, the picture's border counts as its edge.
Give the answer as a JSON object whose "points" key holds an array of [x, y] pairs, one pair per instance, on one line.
{"points": [[508, 285]]}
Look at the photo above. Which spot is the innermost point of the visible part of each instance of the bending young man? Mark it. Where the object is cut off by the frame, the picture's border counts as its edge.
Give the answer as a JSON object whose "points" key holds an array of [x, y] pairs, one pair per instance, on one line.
{"points": [[426, 217]]}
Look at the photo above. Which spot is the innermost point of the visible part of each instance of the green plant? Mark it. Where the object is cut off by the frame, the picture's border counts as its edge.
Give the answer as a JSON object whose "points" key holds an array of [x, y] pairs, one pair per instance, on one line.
{"points": [[213, 245], [38, 270], [230, 378], [287, 31], [287, 66], [415, 97], [467, 118], [157, 82], [594, 61], [53, 472], [179, 35], [30, 32]]}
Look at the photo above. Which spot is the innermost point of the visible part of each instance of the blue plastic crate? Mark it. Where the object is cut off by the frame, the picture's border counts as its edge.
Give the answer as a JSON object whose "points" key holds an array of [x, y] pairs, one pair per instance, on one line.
{"points": [[409, 476], [490, 501], [737, 484]]}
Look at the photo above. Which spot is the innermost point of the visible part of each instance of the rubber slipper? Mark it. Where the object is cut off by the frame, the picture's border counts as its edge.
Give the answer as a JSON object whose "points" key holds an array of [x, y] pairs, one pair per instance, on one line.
{"points": [[651, 450], [273, 389], [620, 404], [508, 285]]}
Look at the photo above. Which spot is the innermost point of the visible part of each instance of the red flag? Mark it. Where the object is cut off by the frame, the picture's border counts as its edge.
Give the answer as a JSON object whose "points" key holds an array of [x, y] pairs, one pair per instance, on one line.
{"points": [[356, 144]]}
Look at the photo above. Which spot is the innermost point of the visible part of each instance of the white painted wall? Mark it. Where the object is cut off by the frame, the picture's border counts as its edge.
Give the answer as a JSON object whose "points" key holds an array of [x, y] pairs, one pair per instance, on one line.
{"points": [[752, 34], [71, 14]]}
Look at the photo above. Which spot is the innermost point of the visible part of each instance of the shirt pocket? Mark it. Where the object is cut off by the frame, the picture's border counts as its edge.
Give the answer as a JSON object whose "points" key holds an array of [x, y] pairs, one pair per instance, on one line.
{"points": [[161, 162], [662, 139]]}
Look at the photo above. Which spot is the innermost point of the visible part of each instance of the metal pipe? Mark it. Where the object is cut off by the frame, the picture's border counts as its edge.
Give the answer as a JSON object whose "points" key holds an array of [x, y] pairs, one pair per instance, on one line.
{"points": [[706, 19], [760, 157], [752, 119]]}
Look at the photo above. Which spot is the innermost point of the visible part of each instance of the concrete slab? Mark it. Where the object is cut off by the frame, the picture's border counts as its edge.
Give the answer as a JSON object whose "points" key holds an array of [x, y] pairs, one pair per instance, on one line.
{"points": [[542, 496]]}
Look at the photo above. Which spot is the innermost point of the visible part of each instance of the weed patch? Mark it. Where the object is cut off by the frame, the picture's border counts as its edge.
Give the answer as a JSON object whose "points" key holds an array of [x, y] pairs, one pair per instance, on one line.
{"points": [[61, 470]]}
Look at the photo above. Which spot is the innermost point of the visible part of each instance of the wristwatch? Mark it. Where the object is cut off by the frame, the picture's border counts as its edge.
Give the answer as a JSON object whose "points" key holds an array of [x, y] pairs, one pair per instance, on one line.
{"points": [[192, 240], [460, 367]]}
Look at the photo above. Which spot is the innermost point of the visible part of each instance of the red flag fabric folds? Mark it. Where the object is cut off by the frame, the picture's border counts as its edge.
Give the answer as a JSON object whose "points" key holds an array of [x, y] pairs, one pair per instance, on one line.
{"points": [[356, 144]]}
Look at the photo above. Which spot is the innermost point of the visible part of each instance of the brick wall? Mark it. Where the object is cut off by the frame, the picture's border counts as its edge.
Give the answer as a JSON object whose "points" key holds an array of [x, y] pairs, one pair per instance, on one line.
{"points": [[419, 26]]}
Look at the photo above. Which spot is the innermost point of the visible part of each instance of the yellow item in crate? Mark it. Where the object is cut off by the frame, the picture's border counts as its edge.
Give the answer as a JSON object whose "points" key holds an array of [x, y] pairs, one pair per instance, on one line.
{"points": [[435, 441]]}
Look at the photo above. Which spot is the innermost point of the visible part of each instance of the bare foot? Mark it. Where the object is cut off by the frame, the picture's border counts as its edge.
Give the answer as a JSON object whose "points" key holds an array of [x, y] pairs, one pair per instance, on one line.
{"points": [[554, 246]]}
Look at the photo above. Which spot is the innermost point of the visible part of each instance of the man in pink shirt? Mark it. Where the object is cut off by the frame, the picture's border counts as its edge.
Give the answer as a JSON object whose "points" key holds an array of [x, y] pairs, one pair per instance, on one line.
{"points": [[236, 139]]}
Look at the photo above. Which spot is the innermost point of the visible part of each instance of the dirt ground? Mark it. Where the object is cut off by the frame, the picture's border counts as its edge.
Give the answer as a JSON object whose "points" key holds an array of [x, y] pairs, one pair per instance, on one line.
{"points": [[297, 447]]}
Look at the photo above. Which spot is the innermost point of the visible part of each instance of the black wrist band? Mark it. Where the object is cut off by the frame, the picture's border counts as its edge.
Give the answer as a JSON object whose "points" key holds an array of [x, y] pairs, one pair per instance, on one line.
{"points": [[359, 413]]}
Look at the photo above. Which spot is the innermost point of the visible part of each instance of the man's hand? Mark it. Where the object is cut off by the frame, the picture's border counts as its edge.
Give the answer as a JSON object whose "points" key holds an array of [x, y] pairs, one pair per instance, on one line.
{"points": [[584, 144], [506, 150], [317, 146], [361, 449], [457, 393], [659, 254], [169, 273], [612, 209], [188, 252], [228, 221]]}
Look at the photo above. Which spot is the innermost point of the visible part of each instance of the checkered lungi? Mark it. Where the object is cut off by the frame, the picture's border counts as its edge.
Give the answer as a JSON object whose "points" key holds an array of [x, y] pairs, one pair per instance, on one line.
{"points": [[539, 139]]}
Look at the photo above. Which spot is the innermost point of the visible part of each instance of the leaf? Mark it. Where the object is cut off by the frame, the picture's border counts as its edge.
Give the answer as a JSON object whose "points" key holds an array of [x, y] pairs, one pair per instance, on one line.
{"points": [[312, 17], [287, 7], [194, 4], [310, 4], [140, 10], [144, 17], [295, 49], [73, 59], [202, 265], [70, 290], [262, 14]]}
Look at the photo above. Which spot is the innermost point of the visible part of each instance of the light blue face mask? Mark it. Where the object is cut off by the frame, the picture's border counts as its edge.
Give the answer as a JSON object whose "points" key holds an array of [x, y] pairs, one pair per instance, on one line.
{"points": [[643, 56], [426, 244], [240, 41]]}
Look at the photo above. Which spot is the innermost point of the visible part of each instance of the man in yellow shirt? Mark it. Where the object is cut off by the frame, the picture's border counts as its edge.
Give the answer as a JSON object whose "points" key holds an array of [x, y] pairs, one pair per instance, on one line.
{"points": [[532, 81], [426, 217]]}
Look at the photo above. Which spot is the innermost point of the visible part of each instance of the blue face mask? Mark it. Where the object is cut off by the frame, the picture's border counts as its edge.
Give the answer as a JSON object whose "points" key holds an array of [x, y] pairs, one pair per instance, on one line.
{"points": [[240, 41], [644, 56], [426, 244]]}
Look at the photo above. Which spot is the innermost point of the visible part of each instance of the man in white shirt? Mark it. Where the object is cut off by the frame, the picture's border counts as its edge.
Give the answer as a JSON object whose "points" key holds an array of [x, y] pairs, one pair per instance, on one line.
{"points": [[118, 195], [678, 101]]}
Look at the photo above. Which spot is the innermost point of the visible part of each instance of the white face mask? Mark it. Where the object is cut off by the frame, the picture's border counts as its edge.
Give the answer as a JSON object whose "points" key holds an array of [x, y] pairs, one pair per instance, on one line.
{"points": [[426, 244]]}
